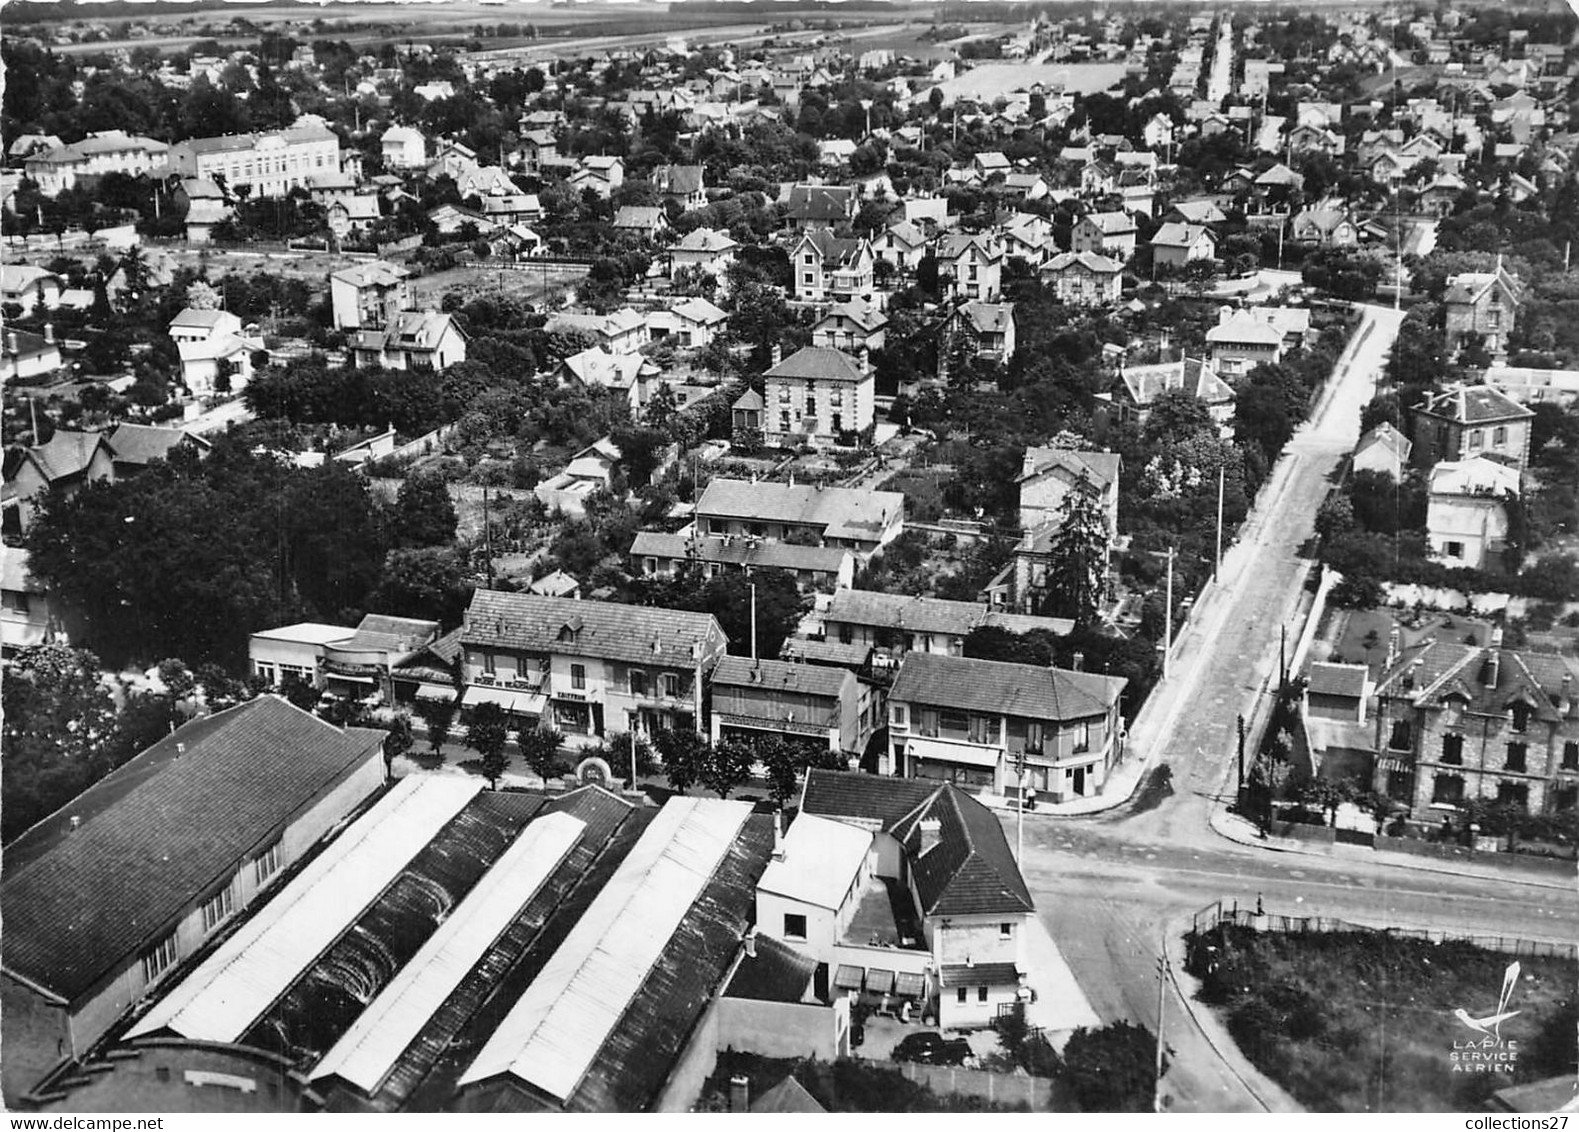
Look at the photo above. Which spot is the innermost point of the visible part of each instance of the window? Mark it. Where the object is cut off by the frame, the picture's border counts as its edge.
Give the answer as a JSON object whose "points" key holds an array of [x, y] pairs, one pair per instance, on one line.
{"points": [[963, 995], [807, 279], [1447, 789], [266, 671], [794, 926], [1519, 715], [222, 905], [1516, 755], [899, 715], [638, 682], [847, 635], [1499, 436], [981, 994], [671, 685], [808, 259], [1515, 794], [1400, 738], [784, 421], [1567, 799], [267, 863], [1006, 930], [1453, 749], [159, 960], [578, 676], [1453, 549], [1474, 438], [1571, 756]]}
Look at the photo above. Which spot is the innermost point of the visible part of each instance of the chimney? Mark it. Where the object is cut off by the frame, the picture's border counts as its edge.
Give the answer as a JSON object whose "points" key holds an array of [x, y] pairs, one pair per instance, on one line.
{"points": [[866, 360], [49, 332], [180, 749], [1565, 697], [776, 355], [751, 943], [10, 342], [778, 835], [1079, 661], [1394, 646], [931, 834], [739, 1094], [76, 822]]}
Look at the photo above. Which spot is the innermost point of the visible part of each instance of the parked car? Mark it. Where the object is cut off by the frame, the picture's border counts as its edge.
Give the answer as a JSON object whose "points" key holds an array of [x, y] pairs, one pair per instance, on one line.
{"points": [[931, 1048]]}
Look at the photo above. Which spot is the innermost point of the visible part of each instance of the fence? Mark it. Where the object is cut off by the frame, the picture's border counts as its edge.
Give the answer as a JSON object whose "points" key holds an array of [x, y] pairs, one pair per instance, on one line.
{"points": [[1003, 1088], [1214, 916]]}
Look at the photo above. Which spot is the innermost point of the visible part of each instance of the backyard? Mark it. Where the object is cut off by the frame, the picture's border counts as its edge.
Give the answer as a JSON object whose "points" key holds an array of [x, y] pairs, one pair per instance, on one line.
{"points": [[1358, 1021]]}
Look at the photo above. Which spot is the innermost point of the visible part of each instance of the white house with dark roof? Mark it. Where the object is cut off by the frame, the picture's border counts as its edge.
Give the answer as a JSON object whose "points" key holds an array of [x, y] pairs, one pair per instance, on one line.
{"points": [[412, 340], [862, 522], [705, 249], [1140, 386], [1467, 521], [1483, 303], [63, 464], [970, 267], [818, 396], [24, 355], [588, 668], [150, 862], [851, 327], [1110, 234], [990, 328], [1084, 279], [901, 244], [982, 723], [1048, 475], [1383, 450], [824, 266], [685, 185]]}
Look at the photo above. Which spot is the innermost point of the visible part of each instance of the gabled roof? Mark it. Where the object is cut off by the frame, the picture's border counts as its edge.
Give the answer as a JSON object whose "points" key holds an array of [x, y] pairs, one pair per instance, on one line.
{"points": [[956, 246], [994, 687], [1486, 680], [18, 277], [669, 638], [1172, 235], [1102, 468], [700, 310], [776, 973], [833, 249], [706, 240], [1474, 404], [66, 454], [164, 827], [644, 217], [20, 344], [1472, 286], [820, 363], [863, 314], [1146, 383], [143, 444], [1084, 261], [375, 273], [781, 676], [1109, 223], [1244, 328], [820, 202], [988, 318], [1387, 437], [843, 513]]}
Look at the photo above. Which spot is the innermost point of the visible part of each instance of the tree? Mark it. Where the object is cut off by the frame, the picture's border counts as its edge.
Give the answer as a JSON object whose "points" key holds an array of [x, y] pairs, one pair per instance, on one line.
{"points": [[424, 514], [540, 748], [1077, 555], [58, 720], [726, 765], [438, 715], [684, 754], [399, 740], [1112, 1069], [779, 758], [487, 734], [1176, 414]]}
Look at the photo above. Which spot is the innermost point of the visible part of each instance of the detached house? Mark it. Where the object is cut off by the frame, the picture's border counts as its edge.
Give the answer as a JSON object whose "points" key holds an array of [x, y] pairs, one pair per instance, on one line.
{"points": [[1469, 421], [1467, 520], [1048, 475], [600, 174], [685, 185], [812, 706], [985, 723], [588, 668], [851, 327], [368, 294], [969, 267], [1240, 341], [412, 340], [1139, 386], [67, 461], [704, 249], [1110, 234], [1324, 226], [862, 522], [1484, 303], [901, 244], [1459, 723], [819, 396], [29, 287], [824, 266], [989, 326], [810, 207], [1176, 245], [1084, 279]]}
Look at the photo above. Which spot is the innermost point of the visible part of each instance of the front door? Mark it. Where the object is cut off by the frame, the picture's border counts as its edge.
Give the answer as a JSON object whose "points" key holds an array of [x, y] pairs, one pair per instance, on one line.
{"points": [[1080, 781]]}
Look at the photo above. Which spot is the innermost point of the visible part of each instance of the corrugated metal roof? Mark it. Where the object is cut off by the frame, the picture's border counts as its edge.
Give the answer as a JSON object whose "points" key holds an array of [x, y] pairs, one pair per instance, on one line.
{"points": [[367, 1052], [251, 969], [555, 1030]]}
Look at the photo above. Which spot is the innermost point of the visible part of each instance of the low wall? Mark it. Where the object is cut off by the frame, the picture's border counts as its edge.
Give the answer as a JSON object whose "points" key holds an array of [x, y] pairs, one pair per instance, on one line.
{"points": [[1004, 1088], [782, 1029], [1447, 851]]}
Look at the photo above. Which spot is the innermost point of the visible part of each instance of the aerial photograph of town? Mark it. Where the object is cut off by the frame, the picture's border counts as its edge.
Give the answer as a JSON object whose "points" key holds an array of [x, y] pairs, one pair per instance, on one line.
{"points": [[789, 556]]}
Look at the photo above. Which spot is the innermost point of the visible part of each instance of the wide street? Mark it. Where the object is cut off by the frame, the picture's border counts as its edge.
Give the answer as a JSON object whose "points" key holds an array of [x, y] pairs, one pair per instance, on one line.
{"points": [[1111, 885]]}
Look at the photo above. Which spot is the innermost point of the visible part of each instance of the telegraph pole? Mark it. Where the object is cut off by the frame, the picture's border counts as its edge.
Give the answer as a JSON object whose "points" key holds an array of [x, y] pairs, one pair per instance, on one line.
{"points": [[1218, 569], [1162, 977], [753, 622], [1167, 628], [1019, 825]]}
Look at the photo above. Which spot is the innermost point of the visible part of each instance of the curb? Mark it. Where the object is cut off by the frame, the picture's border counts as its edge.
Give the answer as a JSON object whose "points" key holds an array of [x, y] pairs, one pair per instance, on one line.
{"points": [[1220, 825]]}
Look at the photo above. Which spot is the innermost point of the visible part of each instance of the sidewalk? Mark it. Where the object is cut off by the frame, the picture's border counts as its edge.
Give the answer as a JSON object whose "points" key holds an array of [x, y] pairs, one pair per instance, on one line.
{"points": [[1122, 782], [1060, 1005], [1268, 1094], [1243, 832]]}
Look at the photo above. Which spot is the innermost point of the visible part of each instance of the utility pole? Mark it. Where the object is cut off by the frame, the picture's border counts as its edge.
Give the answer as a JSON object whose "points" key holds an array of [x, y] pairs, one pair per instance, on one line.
{"points": [[753, 622], [633, 757], [1239, 797], [1162, 977], [1167, 626], [1019, 825], [487, 535], [1218, 569]]}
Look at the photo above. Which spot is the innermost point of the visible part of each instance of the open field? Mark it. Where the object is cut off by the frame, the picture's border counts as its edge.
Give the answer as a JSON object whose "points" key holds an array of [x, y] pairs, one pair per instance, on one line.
{"points": [[999, 80], [1365, 1022], [530, 284]]}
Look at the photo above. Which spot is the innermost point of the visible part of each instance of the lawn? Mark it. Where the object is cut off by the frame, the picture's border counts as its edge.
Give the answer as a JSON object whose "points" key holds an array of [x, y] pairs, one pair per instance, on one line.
{"points": [[1364, 1022]]}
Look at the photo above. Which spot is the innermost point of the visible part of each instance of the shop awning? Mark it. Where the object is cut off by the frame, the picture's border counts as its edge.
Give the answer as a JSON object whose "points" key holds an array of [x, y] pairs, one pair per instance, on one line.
{"points": [[347, 679], [980, 975], [965, 754], [879, 981], [517, 703], [434, 692], [909, 984], [848, 977]]}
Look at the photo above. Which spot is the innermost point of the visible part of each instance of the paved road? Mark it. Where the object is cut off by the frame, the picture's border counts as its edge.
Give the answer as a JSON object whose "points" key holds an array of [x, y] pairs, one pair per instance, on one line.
{"points": [[1219, 83], [1109, 887]]}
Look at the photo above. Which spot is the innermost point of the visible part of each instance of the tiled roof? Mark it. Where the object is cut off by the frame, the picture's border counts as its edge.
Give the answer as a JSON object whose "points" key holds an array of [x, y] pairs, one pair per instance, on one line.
{"points": [[928, 614], [1388, 437], [1146, 383], [989, 318], [66, 454], [380, 631], [978, 975], [820, 202], [780, 676], [1242, 327], [374, 274], [1474, 404], [22, 344], [841, 512], [762, 555], [1432, 673], [686, 179], [864, 798], [1089, 261], [833, 249], [1338, 679], [639, 216], [1172, 235], [1102, 468], [177, 824], [142, 444], [993, 686], [706, 240], [634, 633], [1109, 223], [865, 316], [820, 363], [971, 869]]}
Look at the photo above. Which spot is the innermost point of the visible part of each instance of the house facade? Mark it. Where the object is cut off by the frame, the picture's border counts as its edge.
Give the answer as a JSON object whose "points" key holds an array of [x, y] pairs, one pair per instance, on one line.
{"points": [[970, 268], [1458, 723], [588, 668], [412, 340], [1109, 234], [807, 704], [1467, 520], [272, 164], [818, 396], [369, 294], [1483, 303], [1084, 279], [983, 724], [825, 267], [1469, 421]]}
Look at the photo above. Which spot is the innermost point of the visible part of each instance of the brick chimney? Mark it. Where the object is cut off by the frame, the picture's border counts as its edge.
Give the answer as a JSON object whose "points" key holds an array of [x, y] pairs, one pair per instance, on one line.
{"points": [[739, 1094], [778, 835], [775, 355], [751, 943], [10, 342], [49, 332], [931, 834]]}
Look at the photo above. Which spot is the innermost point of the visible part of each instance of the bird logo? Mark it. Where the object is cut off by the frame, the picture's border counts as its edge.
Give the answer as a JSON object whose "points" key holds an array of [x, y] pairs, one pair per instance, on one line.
{"points": [[1491, 1024]]}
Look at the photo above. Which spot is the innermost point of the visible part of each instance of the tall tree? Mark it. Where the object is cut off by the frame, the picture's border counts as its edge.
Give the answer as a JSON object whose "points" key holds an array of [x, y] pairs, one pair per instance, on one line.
{"points": [[726, 765], [684, 757], [439, 715], [1077, 555], [424, 514], [540, 748]]}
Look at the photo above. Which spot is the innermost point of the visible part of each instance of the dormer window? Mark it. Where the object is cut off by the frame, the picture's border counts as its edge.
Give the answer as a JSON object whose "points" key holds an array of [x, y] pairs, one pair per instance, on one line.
{"points": [[1519, 717]]}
